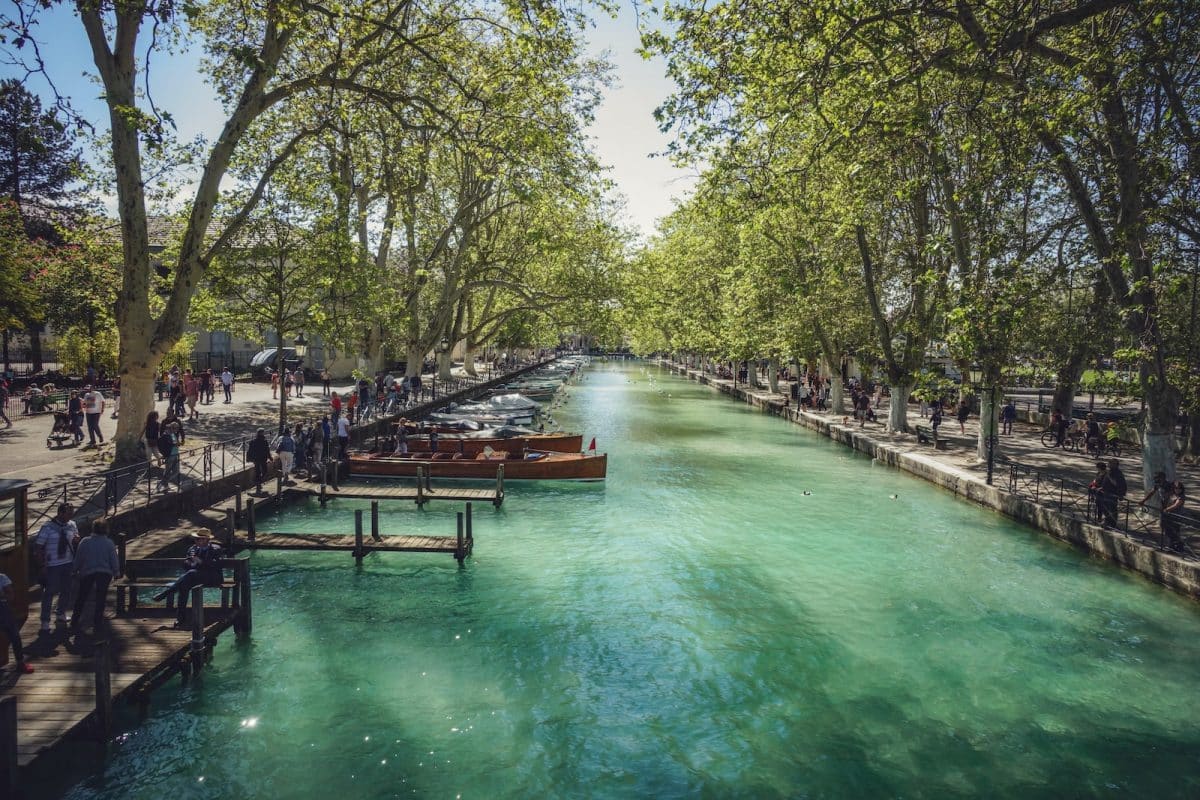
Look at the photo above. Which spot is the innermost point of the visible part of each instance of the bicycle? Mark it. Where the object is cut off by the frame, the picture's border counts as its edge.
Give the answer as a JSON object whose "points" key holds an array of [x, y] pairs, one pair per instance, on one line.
{"points": [[1102, 447], [1072, 440]]}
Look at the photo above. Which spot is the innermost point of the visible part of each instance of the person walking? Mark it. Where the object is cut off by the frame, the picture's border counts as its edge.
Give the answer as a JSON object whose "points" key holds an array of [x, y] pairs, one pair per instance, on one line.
{"points": [[227, 384], [191, 392], [54, 550], [325, 390], [95, 566], [9, 626], [75, 415], [116, 396], [335, 406], [258, 453], [1008, 416], [964, 411], [4, 402], [298, 379], [343, 433], [202, 567], [150, 432], [168, 448], [274, 384], [286, 450], [93, 407]]}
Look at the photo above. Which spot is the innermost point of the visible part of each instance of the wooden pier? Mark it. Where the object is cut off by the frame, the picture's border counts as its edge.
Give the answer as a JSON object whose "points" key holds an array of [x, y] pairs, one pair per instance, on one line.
{"points": [[461, 545], [79, 678], [418, 494], [421, 492]]}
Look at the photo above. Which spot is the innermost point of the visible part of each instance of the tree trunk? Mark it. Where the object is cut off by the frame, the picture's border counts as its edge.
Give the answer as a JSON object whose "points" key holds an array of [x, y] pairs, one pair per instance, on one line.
{"points": [[415, 357], [281, 372], [445, 362], [1194, 435], [1158, 442], [837, 402], [987, 421], [898, 407], [35, 347], [469, 361], [137, 400], [7, 363], [773, 375]]}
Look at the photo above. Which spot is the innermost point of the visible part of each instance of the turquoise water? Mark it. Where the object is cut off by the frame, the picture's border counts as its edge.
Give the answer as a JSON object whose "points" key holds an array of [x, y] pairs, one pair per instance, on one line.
{"points": [[697, 626]]}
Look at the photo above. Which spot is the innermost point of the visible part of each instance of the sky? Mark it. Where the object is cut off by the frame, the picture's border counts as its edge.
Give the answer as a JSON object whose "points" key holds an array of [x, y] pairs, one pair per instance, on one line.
{"points": [[625, 135]]}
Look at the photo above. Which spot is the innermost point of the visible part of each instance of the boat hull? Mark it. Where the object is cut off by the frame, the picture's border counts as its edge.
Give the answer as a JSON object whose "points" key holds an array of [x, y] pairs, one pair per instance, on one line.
{"points": [[550, 467]]}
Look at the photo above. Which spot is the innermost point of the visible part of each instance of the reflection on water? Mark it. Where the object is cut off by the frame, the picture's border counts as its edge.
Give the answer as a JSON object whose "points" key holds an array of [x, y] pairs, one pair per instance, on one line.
{"points": [[697, 626]]}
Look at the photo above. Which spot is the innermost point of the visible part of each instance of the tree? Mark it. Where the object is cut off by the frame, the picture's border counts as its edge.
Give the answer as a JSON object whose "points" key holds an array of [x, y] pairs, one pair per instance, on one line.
{"points": [[39, 163], [272, 279]]}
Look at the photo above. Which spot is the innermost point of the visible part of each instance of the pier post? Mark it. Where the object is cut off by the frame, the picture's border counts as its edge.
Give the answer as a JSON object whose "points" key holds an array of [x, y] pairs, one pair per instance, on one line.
{"points": [[241, 573], [121, 552], [499, 486], [103, 669], [337, 466], [470, 532], [460, 551], [279, 487], [358, 537], [230, 527], [324, 476], [375, 521], [429, 479], [8, 745], [197, 629], [237, 502], [420, 486], [251, 527]]}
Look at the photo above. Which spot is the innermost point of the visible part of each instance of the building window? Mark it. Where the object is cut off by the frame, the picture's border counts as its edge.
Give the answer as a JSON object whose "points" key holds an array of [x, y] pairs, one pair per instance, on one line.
{"points": [[219, 342]]}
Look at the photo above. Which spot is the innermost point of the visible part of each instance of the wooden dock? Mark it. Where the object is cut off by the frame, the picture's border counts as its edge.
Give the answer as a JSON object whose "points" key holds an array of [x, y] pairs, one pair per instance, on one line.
{"points": [[346, 542], [65, 696], [460, 545], [361, 490]]}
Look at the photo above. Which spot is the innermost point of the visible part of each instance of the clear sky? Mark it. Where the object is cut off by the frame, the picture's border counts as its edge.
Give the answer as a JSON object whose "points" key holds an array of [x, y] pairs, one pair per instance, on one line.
{"points": [[625, 134]]}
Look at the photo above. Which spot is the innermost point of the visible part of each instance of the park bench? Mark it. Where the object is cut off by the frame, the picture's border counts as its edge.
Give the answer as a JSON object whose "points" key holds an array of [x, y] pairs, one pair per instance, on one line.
{"points": [[926, 435], [155, 574]]}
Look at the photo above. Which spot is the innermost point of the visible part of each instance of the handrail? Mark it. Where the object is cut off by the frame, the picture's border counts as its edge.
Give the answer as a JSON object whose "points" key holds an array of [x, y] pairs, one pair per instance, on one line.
{"points": [[1079, 500]]}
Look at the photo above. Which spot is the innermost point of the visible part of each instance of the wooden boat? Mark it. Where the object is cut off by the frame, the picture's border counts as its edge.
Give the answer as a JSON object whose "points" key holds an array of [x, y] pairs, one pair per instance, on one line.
{"points": [[474, 445], [534, 466]]}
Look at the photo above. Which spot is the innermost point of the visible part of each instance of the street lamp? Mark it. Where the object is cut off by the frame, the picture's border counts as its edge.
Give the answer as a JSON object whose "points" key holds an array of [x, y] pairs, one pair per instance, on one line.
{"points": [[977, 377]]}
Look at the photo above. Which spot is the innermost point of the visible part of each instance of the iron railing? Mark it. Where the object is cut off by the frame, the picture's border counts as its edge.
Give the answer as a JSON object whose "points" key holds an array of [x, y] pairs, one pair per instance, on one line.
{"points": [[1076, 499]]}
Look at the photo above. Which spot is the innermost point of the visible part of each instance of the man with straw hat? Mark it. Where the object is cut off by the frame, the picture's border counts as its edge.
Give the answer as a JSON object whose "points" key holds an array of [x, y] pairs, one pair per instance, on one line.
{"points": [[202, 567]]}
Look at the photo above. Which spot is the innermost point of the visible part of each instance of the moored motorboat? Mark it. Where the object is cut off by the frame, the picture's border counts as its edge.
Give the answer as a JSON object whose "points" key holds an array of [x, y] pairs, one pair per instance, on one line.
{"points": [[532, 465], [507, 438]]}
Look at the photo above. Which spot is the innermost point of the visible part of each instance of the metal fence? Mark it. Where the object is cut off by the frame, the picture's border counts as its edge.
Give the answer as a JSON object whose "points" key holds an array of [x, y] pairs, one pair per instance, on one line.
{"points": [[137, 485], [1079, 500]]}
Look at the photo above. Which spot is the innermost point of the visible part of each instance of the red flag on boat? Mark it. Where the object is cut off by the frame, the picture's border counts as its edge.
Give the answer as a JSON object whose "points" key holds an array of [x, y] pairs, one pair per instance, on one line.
{"points": [[592, 446]]}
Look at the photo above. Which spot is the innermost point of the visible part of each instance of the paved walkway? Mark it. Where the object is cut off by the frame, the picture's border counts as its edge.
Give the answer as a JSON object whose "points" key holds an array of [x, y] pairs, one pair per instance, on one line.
{"points": [[24, 454]]}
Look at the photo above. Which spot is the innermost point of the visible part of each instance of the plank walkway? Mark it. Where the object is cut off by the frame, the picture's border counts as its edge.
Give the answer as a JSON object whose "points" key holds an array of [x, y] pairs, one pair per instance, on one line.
{"points": [[60, 696], [369, 491], [345, 542]]}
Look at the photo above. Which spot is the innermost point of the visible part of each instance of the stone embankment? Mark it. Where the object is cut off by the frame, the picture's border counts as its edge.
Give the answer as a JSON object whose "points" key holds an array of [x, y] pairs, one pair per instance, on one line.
{"points": [[937, 467]]}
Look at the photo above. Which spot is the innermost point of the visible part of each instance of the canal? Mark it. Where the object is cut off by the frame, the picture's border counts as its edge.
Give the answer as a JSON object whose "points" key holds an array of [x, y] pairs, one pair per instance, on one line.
{"points": [[743, 609]]}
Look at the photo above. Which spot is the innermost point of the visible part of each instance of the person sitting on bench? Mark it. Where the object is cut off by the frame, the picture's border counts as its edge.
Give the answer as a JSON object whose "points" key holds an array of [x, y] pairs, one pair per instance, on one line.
{"points": [[202, 568]]}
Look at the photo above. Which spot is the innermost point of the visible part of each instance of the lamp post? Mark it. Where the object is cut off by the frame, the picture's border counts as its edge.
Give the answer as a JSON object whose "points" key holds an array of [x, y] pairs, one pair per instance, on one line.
{"points": [[977, 377]]}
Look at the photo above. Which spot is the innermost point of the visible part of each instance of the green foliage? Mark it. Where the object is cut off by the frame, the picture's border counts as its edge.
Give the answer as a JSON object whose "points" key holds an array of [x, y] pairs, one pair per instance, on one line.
{"points": [[180, 354], [78, 349]]}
